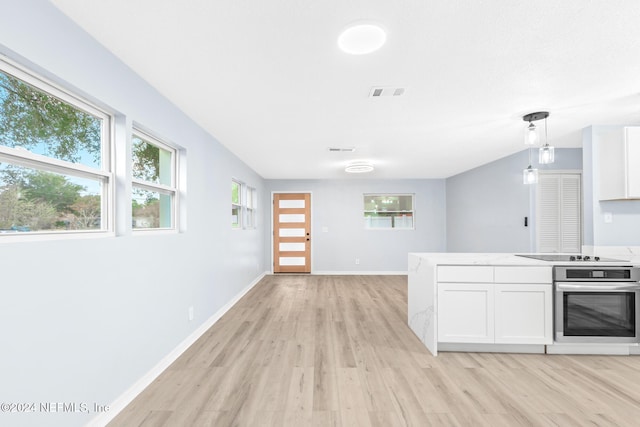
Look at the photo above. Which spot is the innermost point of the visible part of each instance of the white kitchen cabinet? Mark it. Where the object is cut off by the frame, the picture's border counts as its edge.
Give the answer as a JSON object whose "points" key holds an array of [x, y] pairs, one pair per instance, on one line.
{"points": [[514, 308], [618, 173], [523, 313], [465, 313]]}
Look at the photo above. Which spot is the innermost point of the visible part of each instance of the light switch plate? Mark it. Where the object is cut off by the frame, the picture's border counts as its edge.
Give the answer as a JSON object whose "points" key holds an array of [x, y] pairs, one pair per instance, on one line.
{"points": [[608, 217]]}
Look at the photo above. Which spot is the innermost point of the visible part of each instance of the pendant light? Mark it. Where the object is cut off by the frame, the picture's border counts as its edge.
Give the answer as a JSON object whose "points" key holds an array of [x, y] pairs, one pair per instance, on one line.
{"points": [[532, 133], [546, 153], [532, 137], [530, 175]]}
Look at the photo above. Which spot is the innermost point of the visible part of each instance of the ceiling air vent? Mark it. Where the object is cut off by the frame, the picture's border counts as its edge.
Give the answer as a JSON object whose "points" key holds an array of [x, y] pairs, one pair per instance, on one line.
{"points": [[342, 150], [377, 92]]}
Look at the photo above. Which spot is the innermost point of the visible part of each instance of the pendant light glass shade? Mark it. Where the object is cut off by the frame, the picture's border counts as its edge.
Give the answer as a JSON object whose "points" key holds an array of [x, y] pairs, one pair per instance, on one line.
{"points": [[530, 175], [546, 154], [531, 136]]}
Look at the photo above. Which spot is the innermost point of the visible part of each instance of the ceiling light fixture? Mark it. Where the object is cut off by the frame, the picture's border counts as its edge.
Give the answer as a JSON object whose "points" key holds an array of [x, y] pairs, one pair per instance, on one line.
{"points": [[531, 133], [530, 175], [546, 153], [359, 167], [360, 39]]}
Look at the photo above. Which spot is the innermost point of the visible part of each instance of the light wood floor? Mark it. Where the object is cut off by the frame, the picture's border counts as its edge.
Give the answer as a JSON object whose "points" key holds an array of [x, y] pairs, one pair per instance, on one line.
{"points": [[336, 351]]}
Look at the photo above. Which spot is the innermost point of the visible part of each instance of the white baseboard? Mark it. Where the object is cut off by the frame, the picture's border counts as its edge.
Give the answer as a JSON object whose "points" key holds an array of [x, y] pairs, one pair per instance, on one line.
{"points": [[359, 273], [127, 397]]}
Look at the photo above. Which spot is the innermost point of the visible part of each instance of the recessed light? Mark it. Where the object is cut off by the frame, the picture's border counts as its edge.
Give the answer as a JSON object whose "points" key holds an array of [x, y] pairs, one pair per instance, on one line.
{"points": [[359, 167], [360, 39]]}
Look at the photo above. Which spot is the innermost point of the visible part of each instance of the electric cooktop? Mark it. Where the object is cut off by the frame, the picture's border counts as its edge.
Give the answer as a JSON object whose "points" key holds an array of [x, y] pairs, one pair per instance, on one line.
{"points": [[570, 258]]}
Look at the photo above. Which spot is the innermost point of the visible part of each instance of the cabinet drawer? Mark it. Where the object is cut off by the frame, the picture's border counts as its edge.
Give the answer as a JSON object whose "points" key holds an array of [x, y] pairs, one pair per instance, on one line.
{"points": [[465, 274], [523, 275]]}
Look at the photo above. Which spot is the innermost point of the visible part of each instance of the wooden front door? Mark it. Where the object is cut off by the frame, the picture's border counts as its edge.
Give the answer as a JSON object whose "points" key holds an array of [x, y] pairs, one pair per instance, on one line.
{"points": [[292, 233]]}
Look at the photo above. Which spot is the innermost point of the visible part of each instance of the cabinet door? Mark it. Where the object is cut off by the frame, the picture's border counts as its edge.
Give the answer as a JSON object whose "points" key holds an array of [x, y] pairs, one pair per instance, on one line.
{"points": [[465, 313], [523, 314], [632, 147]]}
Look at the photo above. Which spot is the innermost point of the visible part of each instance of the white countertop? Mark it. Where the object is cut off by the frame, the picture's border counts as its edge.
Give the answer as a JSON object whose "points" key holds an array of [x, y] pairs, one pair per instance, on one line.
{"points": [[455, 258]]}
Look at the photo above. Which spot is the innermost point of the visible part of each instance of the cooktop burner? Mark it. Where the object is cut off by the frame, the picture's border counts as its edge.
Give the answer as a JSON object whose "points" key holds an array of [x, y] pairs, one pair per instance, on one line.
{"points": [[572, 258]]}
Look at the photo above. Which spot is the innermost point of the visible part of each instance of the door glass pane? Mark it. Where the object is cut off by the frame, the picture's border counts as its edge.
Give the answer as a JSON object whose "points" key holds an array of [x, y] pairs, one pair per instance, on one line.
{"points": [[291, 232], [295, 247], [291, 204], [286, 218], [608, 314], [292, 260]]}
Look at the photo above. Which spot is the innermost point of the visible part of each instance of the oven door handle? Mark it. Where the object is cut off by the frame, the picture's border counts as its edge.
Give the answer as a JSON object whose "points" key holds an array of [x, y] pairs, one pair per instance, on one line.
{"points": [[597, 287]]}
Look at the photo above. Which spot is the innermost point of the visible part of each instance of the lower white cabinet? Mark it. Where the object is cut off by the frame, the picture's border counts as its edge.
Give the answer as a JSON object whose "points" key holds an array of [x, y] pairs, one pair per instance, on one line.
{"points": [[495, 313], [523, 314], [465, 312]]}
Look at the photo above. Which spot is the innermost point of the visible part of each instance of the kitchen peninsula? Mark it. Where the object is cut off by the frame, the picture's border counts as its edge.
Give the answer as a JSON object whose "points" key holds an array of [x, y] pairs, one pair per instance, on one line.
{"points": [[484, 302]]}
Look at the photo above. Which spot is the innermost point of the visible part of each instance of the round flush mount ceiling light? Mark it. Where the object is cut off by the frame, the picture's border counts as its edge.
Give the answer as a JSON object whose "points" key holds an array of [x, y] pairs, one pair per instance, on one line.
{"points": [[362, 38], [359, 167]]}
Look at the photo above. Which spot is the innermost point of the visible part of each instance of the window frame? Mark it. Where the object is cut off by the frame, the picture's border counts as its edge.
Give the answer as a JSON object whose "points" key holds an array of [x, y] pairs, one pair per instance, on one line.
{"points": [[40, 162], [246, 211], [169, 190], [250, 208], [393, 228], [238, 205]]}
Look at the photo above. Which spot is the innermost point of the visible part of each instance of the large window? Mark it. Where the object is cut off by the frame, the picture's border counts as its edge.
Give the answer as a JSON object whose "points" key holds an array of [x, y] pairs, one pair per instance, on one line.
{"points": [[54, 158], [388, 211], [154, 192]]}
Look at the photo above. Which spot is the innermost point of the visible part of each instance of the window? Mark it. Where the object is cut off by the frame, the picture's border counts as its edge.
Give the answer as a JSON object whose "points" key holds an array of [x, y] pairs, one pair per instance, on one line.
{"points": [[154, 187], [236, 204], [251, 202], [388, 211], [54, 159], [243, 205]]}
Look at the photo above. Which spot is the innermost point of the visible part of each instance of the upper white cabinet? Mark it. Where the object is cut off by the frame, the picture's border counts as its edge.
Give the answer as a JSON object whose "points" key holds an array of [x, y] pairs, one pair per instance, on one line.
{"points": [[618, 170]]}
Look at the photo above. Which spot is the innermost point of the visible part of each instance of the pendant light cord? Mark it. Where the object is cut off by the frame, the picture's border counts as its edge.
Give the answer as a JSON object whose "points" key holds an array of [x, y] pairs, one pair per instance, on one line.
{"points": [[546, 137]]}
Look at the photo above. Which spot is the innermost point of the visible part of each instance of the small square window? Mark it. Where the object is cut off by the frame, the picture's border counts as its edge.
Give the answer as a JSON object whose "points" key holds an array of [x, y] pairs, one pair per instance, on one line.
{"points": [[389, 211]]}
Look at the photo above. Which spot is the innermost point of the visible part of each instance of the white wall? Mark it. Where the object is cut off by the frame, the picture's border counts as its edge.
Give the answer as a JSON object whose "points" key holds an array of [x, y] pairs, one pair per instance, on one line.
{"points": [[338, 206], [486, 206], [84, 319]]}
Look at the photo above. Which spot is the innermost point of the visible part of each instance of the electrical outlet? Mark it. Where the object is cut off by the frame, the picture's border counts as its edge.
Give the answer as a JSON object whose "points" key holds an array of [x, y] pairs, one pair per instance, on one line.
{"points": [[190, 313], [357, 261]]}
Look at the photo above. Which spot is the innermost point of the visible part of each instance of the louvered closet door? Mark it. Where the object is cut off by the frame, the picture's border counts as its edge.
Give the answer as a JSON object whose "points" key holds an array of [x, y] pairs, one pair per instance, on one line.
{"points": [[559, 213]]}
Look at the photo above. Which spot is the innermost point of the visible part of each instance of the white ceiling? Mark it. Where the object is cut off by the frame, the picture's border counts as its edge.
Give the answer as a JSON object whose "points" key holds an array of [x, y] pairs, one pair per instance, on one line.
{"points": [[267, 80]]}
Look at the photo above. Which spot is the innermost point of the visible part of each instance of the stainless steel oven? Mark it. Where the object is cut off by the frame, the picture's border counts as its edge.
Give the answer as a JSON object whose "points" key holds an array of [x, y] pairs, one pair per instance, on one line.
{"points": [[597, 304]]}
